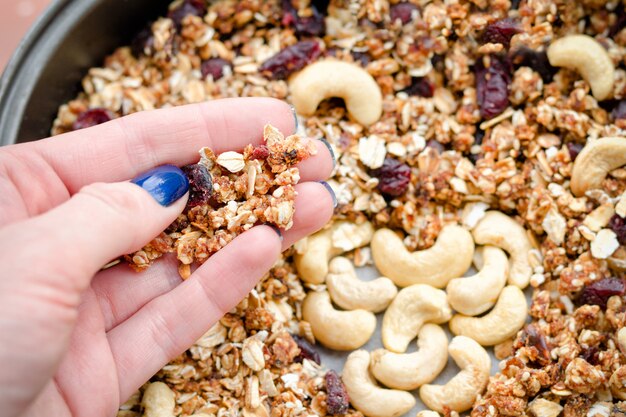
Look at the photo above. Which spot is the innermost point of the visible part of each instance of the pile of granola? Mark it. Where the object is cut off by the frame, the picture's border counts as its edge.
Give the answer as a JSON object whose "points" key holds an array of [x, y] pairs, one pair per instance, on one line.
{"points": [[473, 115]]}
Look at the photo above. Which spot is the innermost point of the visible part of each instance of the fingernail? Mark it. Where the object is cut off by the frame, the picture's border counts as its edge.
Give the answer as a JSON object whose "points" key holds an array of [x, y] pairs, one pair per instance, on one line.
{"points": [[166, 183], [295, 119], [277, 230], [331, 191], [330, 149]]}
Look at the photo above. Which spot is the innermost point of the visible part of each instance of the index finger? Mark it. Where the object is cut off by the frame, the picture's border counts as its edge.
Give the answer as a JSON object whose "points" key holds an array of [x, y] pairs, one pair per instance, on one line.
{"points": [[125, 147]]}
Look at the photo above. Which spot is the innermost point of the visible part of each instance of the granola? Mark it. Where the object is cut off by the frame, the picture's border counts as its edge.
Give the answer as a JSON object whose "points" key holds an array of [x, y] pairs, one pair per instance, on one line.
{"points": [[466, 151]]}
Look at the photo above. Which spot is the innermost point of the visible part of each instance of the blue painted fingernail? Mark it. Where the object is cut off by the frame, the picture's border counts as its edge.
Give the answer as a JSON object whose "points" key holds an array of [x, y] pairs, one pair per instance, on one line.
{"points": [[295, 119], [277, 230], [166, 183], [330, 149], [331, 192]]}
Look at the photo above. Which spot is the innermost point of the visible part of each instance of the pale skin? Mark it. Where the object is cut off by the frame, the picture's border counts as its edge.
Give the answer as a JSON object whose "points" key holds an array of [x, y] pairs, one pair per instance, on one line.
{"points": [[77, 341]]}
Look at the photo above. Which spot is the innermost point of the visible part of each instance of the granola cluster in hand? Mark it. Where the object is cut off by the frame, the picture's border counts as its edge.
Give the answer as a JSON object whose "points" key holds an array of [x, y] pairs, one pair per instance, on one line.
{"points": [[229, 193]]}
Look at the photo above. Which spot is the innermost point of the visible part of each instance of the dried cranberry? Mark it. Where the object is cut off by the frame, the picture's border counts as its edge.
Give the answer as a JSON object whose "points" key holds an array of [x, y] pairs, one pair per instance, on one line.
{"points": [[501, 31], [187, 7], [214, 67], [200, 184], [420, 86], [260, 152], [537, 60], [291, 59], [574, 149], [307, 350], [337, 401], [312, 25], [598, 292], [143, 42], [619, 112], [492, 86], [402, 11], [618, 225], [532, 337], [393, 176], [92, 117]]}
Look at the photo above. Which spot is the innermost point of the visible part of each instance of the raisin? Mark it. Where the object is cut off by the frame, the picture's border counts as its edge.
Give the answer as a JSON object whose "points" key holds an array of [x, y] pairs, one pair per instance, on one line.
{"points": [[187, 7], [536, 60], [532, 337], [312, 25], [291, 59], [620, 21], [92, 117], [574, 149], [361, 57], [492, 86], [598, 292], [307, 351], [619, 112], [143, 42], [403, 11], [200, 184], [260, 152], [501, 31], [590, 355], [393, 176], [515, 4], [420, 86], [436, 145], [618, 225], [337, 401], [214, 67]]}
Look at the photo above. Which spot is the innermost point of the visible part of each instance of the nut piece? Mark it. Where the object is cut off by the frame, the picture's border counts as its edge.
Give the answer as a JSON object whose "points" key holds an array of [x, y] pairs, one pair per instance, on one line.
{"points": [[504, 321], [450, 257], [500, 230], [584, 54], [595, 161], [408, 371], [312, 265], [461, 391], [476, 294], [366, 396], [350, 293], [335, 329], [330, 78], [427, 413], [617, 382], [158, 400], [407, 313], [540, 407], [232, 161]]}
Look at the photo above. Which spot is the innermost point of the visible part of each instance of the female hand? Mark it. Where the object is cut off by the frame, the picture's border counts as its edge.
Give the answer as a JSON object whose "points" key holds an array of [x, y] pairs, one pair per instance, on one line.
{"points": [[78, 341]]}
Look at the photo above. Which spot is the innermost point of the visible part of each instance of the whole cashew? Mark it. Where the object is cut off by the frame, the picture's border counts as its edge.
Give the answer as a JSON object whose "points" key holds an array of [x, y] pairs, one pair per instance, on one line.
{"points": [[584, 54], [366, 396], [501, 323], [339, 330], [341, 237], [350, 293], [476, 294], [408, 371], [449, 257], [461, 391], [498, 229], [330, 78], [158, 400], [407, 313], [595, 161]]}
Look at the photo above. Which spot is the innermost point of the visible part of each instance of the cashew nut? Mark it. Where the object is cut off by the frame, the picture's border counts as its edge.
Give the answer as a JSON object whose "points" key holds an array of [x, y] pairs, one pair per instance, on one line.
{"points": [[501, 323], [330, 78], [407, 313], [427, 413], [312, 265], [461, 391], [500, 230], [158, 400], [476, 294], [584, 54], [366, 396], [448, 258], [339, 330], [408, 371], [595, 161], [350, 293]]}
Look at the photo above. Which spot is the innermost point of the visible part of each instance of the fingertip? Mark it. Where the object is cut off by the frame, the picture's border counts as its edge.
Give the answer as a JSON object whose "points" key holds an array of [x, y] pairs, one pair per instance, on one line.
{"points": [[321, 165]]}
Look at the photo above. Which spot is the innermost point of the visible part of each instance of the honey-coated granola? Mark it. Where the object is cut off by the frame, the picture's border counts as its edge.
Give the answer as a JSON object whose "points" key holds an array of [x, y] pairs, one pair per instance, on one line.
{"points": [[474, 117]]}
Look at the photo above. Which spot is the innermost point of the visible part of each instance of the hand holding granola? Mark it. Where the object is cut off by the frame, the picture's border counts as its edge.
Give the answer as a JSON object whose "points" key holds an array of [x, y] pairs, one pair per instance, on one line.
{"points": [[75, 340]]}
